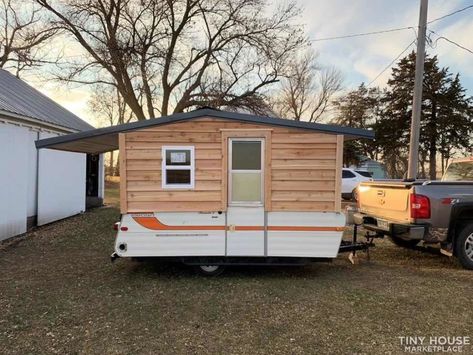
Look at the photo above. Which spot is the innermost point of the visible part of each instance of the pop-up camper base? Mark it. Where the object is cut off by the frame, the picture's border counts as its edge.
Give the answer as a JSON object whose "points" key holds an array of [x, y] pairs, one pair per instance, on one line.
{"points": [[144, 237], [219, 187]]}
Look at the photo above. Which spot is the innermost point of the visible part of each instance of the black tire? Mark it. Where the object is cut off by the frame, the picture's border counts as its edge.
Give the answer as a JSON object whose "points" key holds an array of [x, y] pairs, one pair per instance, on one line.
{"points": [[409, 244], [464, 246], [210, 270], [347, 197]]}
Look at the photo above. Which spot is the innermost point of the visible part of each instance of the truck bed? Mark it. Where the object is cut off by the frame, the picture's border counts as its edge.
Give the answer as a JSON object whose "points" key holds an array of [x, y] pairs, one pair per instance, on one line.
{"points": [[390, 199]]}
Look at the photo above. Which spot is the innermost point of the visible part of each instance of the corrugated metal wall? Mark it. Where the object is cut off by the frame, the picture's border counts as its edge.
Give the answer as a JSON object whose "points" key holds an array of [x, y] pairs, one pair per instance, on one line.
{"points": [[61, 185], [13, 179], [52, 191], [32, 182]]}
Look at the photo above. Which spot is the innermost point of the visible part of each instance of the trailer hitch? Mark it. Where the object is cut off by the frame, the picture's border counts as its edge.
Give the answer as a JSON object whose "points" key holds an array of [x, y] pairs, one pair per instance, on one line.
{"points": [[353, 245], [114, 256]]}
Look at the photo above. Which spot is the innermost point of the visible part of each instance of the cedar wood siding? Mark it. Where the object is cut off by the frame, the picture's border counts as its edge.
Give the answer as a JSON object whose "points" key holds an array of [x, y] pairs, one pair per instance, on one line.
{"points": [[304, 167]]}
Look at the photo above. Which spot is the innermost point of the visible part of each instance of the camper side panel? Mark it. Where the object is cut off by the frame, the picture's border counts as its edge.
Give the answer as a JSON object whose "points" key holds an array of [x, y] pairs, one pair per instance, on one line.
{"points": [[304, 168], [144, 192]]}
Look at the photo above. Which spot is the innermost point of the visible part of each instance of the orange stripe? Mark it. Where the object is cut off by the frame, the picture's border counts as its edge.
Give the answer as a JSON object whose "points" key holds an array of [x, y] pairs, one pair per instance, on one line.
{"points": [[304, 228], [249, 228], [154, 224]]}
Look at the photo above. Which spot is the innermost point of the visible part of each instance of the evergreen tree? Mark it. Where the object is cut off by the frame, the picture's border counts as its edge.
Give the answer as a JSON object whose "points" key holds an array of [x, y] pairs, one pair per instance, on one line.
{"points": [[446, 125], [446, 116], [359, 108]]}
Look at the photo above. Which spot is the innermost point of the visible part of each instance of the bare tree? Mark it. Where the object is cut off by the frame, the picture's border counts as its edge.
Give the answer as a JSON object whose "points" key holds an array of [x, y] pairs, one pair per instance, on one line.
{"points": [[307, 89], [108, 106], [171, 55], [23, 32]]}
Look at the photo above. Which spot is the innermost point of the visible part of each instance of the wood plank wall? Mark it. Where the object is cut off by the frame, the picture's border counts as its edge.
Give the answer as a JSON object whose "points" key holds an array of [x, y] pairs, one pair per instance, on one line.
{"points": [[305, 168]]}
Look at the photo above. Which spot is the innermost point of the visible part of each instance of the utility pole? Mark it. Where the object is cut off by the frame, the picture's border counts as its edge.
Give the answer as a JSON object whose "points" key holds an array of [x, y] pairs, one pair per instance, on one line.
{"points": [[417, 99]]}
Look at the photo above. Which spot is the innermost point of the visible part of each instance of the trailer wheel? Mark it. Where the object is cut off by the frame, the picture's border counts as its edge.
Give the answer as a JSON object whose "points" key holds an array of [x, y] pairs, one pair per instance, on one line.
{"points": [[464, 246], [210, 270], [409, 244]]}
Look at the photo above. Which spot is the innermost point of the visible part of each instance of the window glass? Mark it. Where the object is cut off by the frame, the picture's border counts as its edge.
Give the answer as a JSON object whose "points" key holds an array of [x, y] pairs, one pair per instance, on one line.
{"points": [[178, 157], [364, 173], [178, 176], [246, 187], [346, 174], [461, 171], [246, 155], [178, 167]]}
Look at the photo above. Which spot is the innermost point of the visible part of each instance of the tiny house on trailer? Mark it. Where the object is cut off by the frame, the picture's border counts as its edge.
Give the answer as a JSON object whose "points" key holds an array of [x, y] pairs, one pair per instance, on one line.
{"points": [[210, 187]]}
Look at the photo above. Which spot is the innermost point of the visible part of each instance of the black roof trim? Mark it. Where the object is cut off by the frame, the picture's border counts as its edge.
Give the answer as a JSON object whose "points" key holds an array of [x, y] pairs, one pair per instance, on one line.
{"points": [[334, 129]]}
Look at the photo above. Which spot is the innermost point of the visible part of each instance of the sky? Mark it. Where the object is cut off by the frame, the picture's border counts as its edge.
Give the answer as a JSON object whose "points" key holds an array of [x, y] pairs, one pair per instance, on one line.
{"points": [[359, 59]]}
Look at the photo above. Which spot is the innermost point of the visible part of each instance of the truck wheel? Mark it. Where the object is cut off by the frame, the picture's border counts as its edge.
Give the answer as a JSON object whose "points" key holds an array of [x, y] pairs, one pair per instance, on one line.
{"points": [[347, 196], [404, 243], [464, 246], [210, 270]]}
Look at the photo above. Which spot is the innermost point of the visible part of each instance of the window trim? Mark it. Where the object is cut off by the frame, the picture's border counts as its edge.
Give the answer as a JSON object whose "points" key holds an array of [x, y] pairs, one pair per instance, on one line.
{"points": [[230, 171], [165, 167]]}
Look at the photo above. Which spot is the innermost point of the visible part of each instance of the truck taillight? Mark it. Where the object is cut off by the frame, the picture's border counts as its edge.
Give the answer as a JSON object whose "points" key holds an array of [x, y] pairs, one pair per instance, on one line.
{"points": [[420, 206], [116, 225]]}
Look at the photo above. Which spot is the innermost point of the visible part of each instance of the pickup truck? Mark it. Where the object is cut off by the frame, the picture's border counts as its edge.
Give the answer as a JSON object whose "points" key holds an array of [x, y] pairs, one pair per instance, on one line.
{"points": [[435, 212]]}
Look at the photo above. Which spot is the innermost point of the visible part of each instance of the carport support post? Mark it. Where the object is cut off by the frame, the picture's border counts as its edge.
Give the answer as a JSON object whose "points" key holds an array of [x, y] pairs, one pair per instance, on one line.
{"points": [[417, 99]]}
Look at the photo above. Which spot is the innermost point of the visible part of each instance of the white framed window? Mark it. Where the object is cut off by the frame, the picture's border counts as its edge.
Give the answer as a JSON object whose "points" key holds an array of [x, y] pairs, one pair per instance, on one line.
{"points": [[178, 167], [246, 171]]}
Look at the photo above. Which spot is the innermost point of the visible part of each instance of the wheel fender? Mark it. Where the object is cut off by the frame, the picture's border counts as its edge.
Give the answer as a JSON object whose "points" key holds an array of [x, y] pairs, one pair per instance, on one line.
{"points": [[461, 213]]}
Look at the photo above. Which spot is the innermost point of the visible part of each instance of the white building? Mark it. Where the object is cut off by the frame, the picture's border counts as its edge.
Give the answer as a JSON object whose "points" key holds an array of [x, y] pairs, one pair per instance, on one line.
{"points": [[40, 186]]}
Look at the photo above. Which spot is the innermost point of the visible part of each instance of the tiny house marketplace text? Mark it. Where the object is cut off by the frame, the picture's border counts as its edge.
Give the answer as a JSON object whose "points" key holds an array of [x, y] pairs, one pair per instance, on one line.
{"points": [[435, 344]]}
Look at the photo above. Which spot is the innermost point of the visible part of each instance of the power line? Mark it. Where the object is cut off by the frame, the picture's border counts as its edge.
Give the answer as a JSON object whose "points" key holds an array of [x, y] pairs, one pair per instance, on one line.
{"points": [[397, 30], [362, 34], [450, 41], [450, 14], [391, 63], [388, 30], [410, 44]]}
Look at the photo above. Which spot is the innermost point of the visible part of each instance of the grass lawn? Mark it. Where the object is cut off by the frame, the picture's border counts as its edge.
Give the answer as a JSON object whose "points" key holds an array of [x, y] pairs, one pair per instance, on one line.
{"points": [[59, 293], [112, 193]]}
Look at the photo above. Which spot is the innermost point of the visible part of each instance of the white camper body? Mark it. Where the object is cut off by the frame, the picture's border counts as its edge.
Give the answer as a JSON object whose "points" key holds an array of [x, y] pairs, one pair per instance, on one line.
{"points": [[240, 231]]}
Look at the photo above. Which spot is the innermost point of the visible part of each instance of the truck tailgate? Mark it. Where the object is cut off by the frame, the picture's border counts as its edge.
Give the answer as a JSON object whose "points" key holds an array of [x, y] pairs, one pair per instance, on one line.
{"points": [[385, 200]]}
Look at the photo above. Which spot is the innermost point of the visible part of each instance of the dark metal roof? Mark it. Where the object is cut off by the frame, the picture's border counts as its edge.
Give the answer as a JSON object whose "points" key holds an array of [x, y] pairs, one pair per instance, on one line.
{"points": [[20, 99], [106, 139]]}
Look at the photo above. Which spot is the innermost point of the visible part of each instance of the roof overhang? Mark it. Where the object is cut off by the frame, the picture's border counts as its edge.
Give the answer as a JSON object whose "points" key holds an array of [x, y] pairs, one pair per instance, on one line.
{"points": [[103, 140], [32, 122]]}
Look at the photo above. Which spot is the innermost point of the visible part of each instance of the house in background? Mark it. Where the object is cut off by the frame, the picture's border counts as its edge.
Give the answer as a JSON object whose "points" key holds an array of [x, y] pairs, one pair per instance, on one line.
{"points": [[40, 186]]}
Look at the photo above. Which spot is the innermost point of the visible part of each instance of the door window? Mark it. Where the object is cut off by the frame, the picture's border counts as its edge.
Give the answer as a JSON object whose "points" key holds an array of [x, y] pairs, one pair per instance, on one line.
{"points": [[246, 171]]}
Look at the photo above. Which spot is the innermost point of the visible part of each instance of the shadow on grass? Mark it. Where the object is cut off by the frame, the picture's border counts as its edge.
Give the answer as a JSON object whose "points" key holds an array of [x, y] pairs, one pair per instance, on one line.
{"points": [[158, 269]]}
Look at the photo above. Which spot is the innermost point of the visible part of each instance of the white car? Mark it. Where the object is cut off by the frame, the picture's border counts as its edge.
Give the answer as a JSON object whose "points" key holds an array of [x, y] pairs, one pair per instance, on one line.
{"points": [[350, 180]]}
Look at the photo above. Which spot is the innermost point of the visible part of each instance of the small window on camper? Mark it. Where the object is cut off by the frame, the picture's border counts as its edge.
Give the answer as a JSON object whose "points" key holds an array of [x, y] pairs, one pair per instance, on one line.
{"points": [[178, 167]]}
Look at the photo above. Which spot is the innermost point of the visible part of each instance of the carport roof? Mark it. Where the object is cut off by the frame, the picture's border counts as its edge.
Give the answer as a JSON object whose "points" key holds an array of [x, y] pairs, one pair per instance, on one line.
{"points": [[102, 140]]}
